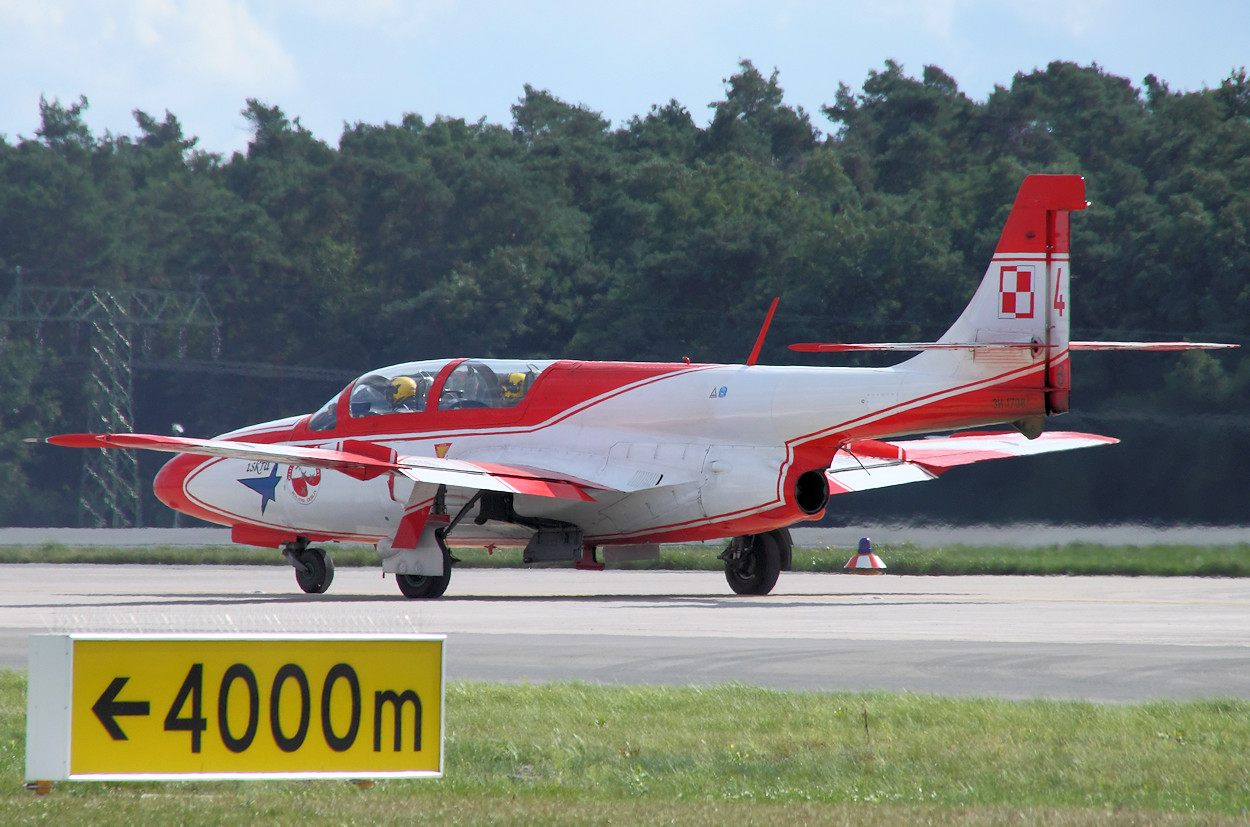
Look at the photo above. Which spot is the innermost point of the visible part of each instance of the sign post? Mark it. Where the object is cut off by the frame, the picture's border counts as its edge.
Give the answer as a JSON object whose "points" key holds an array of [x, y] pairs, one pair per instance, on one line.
{"points": [[168, 706]]}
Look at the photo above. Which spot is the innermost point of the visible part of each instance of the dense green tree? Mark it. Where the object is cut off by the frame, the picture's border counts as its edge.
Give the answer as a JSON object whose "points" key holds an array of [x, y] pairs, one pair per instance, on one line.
{"points": [[560, 235], [63, 128], [753, 121], [31, 407], [904, 131], [666, 131]]}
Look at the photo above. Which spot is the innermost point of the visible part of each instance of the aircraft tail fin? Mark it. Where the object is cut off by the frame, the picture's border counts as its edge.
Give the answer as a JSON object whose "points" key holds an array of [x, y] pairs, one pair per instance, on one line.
{"points": [[1018, 317], [1014, 331], [1020, 312]]}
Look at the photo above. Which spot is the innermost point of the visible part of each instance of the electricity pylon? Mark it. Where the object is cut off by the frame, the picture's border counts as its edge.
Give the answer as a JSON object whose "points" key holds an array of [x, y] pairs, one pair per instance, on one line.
{"points": [[113, 316]]}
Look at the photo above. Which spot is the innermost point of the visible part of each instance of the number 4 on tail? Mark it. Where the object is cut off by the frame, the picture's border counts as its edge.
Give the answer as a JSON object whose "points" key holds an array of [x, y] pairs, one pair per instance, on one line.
{"points": [[1059, 303]]}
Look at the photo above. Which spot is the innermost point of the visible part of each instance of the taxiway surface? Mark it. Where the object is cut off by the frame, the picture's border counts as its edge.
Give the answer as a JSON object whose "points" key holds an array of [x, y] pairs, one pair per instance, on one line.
{"points": [[1095, 638]]}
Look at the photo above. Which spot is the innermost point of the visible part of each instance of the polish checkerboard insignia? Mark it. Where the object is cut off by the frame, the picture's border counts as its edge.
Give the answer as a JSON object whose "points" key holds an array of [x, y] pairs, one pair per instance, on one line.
{"points": [[1015, 292]]}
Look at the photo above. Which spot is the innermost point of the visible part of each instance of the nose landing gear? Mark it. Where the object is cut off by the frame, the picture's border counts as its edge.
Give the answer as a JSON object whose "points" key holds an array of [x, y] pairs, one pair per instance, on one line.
{"points": [[314, 570]]}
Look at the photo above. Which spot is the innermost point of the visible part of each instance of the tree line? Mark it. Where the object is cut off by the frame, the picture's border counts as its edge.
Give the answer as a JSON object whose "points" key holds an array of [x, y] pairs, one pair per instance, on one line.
{"points": [[561, 235]]}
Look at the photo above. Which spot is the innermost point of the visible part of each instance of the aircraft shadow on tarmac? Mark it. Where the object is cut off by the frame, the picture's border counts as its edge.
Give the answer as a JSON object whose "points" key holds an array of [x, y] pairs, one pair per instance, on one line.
{"points": [[849, 600]]}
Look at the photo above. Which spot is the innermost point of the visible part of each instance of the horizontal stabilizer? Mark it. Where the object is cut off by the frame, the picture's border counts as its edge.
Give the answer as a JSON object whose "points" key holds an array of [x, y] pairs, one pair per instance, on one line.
{"points": [[835, 347], [868, 463], [1148, 346]]}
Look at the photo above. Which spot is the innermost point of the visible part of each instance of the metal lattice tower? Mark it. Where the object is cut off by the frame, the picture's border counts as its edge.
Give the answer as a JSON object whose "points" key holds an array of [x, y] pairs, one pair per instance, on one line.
{"points": [[109, 492], [113, 317]]}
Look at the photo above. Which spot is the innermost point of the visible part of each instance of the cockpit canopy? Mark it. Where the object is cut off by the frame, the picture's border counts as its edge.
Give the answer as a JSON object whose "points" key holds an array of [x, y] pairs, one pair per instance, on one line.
{"points": [[398, 389], [410, 388]]}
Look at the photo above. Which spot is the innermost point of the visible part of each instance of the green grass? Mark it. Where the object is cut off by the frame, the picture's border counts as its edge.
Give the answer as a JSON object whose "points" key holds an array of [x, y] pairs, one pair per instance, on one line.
{"points": [[174, 555], [1072, 558], [731, 754]]}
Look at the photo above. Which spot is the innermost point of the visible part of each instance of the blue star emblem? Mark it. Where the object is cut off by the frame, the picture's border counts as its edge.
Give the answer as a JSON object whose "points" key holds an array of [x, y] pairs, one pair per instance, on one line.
{"points": [[267, 487]]}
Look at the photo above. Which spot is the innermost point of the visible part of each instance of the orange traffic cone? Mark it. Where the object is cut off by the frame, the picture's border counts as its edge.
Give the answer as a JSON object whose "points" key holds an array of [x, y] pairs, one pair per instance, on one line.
{"points": [[864, 561]]}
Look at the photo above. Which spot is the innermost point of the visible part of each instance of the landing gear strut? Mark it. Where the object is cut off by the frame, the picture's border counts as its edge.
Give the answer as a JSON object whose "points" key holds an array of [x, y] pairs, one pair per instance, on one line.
{"points": [[314, 570], [754, 561], [425, 586]]}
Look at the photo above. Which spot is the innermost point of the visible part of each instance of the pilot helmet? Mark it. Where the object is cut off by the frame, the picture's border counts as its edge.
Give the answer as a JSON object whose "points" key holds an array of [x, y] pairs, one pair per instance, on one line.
{"points": [[513, 386], [401, 388]]}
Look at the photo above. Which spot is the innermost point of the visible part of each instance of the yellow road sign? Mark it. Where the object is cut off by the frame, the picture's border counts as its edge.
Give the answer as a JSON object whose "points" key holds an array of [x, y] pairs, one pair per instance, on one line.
{"points": [[168, 706]]}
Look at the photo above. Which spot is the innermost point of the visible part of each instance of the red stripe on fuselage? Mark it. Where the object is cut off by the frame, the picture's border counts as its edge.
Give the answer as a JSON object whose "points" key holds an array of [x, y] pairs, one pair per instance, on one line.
{"points": [[932, 412], [562, 390]]}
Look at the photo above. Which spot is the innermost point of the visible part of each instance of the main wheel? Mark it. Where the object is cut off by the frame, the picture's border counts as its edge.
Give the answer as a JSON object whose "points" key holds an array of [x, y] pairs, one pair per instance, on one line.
{"points": [[314, 570], [425, 586], [785, 545], [755, 570]]}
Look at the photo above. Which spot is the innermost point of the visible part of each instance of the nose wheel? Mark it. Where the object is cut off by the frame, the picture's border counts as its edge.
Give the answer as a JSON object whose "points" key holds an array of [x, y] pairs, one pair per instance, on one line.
{"points": [[314, 570]]}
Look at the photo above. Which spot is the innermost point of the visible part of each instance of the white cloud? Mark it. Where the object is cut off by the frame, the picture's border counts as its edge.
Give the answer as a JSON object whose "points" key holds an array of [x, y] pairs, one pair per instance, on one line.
{"points": [[938, 15], [30, 14], [934, 16], [147, 30], [390, 18], [1072, 19], [944, 18], [219, 39], [199, 59]]}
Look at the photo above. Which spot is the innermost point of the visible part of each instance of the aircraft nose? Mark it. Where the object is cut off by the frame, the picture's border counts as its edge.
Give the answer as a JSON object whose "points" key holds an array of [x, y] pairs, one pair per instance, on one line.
{"points": [[168, 483]]}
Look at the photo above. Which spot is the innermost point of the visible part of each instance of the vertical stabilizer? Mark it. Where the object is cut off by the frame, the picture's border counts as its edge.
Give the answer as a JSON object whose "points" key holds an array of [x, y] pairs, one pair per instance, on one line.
{"points": [[1024, 297]]}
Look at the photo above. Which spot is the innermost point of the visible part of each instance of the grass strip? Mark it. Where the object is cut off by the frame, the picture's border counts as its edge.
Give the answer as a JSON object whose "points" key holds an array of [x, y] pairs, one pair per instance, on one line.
{"points": [[1068, 559], [576, 753], [174, 555]]}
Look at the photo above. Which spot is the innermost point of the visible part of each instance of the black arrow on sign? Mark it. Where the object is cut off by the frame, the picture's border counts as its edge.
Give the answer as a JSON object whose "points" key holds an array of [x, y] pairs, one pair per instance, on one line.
{"points": [[108, 708]]}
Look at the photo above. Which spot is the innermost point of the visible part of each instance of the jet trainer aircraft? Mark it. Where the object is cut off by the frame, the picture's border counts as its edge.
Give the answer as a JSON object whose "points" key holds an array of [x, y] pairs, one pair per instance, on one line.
{"points": [[567, 457]]}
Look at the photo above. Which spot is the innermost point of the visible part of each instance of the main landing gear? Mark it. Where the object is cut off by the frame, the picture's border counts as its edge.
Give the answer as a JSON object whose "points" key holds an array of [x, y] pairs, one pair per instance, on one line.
{"points": [[754, 561], [314, 570], [424, 585]]}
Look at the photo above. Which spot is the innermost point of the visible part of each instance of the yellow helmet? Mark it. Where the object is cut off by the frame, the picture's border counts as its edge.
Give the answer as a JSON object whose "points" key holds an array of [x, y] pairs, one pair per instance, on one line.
{"points": [[513, 386], [402, 387]]}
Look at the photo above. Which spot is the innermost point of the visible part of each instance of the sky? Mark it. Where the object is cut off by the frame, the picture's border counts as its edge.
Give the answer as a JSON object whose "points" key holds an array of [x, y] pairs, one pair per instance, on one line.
{"points": [[332, 63]]}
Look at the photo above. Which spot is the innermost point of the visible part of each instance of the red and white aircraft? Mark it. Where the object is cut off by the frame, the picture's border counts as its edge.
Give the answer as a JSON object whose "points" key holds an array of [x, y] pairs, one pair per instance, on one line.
{"points": [[565, 457]]}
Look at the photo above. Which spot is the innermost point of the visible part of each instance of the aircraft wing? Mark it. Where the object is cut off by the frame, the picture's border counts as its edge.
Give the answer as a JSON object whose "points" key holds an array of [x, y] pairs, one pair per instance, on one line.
{"points": [[868, 463], [493, 476], [292, 454], [361, 460]]}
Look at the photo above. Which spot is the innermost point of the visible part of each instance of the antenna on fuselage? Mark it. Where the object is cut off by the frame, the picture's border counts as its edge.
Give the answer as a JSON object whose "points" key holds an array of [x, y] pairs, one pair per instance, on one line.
{"points": [[759, 341]]}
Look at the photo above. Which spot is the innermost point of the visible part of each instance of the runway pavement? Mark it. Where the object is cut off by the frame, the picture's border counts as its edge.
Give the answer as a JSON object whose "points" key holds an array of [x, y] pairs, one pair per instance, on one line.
{"points": [[1096, 638]]}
